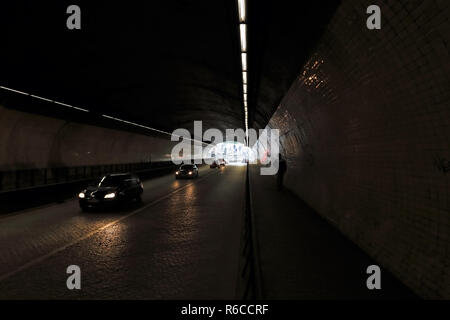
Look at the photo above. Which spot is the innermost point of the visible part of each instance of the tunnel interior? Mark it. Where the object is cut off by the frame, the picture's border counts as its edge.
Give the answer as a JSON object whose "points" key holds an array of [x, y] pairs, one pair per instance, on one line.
{"points": [[363, 115], [163, 65]]}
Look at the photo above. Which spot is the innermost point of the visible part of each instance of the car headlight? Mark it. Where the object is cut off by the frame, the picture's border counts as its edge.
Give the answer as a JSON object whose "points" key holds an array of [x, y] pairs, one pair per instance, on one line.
{"points": [[190, 172], [81, 195], [110, 195]]}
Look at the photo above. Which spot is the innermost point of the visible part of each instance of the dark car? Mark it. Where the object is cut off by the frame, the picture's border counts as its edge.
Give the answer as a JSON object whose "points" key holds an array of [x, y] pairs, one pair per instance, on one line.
{"points": [[111, 190], [214, 165], [187, 171]]}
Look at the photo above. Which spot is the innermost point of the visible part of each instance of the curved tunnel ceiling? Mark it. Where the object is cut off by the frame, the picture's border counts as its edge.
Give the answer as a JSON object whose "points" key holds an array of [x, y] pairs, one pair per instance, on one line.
{"points": [[163, 64]]}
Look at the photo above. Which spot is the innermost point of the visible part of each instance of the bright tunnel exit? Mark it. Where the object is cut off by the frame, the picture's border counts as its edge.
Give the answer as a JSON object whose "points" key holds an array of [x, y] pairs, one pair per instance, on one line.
{"points": [[234, 153]]}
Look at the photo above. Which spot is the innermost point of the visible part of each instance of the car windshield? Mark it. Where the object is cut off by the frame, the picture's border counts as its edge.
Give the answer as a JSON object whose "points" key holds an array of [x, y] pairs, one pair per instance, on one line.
{"points": [[108, 181], [187, 167]]}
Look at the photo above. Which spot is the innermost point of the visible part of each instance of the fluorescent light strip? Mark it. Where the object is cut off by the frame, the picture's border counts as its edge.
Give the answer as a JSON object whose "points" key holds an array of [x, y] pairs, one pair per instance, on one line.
{"points": [[243, 31], [81, 109], [241, 8], [135, 124], [16, 91], [41, 98], [70, 106], [243, 38], [148, 128], [244, 61], [44, 99]]}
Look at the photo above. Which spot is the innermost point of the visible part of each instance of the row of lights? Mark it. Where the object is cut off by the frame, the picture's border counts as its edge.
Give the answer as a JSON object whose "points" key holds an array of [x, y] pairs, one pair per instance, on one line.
{"points": [[103, 115], [243, 38], [44, 99]]}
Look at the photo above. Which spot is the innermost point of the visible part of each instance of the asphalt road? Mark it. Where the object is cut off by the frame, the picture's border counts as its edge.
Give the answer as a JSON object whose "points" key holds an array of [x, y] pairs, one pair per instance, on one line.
{"points": [[182, 242]]}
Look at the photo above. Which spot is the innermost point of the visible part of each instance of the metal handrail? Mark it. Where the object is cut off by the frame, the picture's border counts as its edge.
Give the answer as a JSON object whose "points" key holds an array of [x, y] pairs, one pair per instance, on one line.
{"points": [[41, 177]]}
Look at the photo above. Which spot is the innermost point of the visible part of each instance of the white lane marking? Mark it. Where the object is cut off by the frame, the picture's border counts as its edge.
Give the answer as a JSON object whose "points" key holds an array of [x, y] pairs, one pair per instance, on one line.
{"points": [[53, 252]]}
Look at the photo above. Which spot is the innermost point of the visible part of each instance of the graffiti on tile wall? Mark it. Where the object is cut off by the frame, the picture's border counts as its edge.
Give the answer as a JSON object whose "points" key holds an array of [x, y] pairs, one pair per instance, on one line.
{"points": [[442, 164]]}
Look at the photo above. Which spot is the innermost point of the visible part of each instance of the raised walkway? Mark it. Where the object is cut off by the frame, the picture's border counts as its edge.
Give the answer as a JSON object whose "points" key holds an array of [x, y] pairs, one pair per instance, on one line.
{"points": [[303, 257]]}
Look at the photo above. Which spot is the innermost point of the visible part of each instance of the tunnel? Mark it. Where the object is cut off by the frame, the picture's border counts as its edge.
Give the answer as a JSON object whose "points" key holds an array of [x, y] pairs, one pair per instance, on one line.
{"points": [[348, 101]]}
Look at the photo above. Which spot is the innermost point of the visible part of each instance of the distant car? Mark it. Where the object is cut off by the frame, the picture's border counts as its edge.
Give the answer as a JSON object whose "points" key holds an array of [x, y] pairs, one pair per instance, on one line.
{"points": [[187, 171], [111, 190], [214, 165]]}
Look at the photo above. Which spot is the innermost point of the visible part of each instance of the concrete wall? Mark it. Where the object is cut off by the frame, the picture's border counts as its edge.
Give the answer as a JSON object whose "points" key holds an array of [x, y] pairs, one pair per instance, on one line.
{"points": [[33, 141], [366, 133]]}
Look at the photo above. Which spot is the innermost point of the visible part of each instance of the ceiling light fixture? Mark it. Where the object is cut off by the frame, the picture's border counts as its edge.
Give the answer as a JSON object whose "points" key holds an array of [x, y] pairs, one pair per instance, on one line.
{"points": [[44, 99], [243, 32], [244, 61], [241, 8], [243, 40]]}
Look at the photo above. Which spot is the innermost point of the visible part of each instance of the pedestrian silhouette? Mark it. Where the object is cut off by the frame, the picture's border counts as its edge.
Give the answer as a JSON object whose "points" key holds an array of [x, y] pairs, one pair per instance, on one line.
{"points": [[282, 168]]}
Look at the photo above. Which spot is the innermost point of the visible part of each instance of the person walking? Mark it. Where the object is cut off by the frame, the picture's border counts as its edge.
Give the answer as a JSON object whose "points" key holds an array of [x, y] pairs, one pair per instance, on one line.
{"points": [[282, 168]]}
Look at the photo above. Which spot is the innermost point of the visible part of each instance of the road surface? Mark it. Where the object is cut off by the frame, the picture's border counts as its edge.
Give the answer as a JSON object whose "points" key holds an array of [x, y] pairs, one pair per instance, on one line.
{"points": [[182, 242]]}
